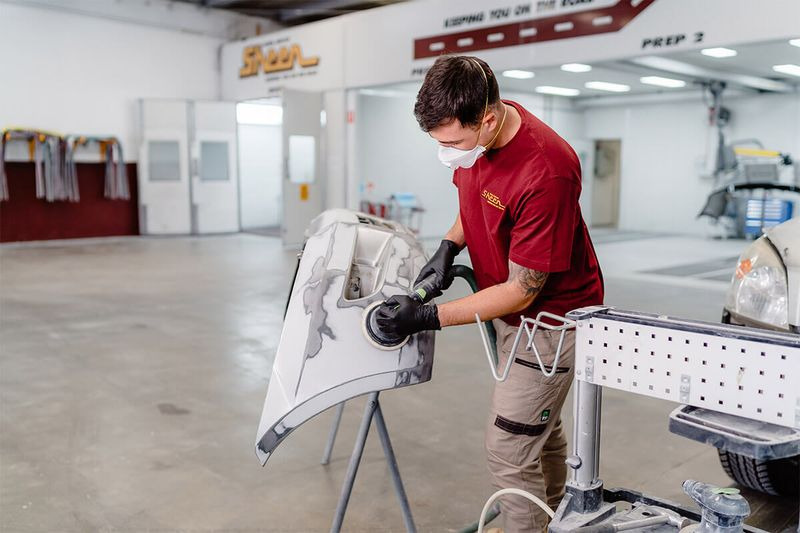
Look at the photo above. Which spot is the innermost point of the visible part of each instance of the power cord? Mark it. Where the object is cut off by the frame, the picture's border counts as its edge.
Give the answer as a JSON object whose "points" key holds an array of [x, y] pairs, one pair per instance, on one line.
{"points": [[518, 492]]}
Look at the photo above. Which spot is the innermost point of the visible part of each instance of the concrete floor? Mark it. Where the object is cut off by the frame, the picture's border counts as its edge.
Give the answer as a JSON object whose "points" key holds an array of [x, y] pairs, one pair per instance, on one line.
{"points": [[133, 371]]}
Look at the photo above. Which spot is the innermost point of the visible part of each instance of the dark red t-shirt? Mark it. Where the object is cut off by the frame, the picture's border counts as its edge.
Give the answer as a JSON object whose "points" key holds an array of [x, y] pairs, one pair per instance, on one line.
{"points": [[520, 202]]}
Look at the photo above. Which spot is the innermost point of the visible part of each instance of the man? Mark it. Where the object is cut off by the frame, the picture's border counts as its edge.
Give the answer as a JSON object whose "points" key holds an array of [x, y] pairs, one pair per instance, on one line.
{"points": [[518, 188]]}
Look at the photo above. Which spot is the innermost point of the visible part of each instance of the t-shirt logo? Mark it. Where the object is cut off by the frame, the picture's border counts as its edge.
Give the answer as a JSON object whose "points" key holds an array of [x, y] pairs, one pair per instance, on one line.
{"points": [[493, 200]]}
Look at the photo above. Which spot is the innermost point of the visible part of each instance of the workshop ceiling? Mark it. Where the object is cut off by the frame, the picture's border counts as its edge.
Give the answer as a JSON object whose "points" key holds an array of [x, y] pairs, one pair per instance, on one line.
{"points": [[750, 69], [292, 12]]}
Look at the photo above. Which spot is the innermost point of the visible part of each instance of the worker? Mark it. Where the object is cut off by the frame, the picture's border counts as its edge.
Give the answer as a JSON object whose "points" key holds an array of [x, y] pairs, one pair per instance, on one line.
{"points": [[518, 189]]}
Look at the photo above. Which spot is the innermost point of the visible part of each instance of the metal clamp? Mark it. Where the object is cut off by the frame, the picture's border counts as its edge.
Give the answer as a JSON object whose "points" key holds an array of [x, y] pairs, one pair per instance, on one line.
{"points": [[566, 325]]}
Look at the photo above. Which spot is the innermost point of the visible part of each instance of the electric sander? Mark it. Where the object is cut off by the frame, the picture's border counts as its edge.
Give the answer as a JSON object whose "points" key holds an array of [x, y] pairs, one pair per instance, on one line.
{"points": [[369, 325]]}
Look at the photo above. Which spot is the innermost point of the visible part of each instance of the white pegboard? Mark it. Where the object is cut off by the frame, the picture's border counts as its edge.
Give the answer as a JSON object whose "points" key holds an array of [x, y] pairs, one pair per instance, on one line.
{"points": [[755, 376]]}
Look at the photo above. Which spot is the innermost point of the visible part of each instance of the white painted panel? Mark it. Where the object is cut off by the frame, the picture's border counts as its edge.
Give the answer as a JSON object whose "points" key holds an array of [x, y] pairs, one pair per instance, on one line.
{"points": [[164, 204], [215, 200]]}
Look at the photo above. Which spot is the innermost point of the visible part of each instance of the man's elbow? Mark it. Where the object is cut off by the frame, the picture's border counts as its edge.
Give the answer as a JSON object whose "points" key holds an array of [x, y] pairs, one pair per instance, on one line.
{"points": [[520, 298]]}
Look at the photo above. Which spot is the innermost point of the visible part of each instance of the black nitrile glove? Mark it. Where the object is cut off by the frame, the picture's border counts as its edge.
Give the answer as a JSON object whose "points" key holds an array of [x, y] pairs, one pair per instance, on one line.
{"points": [[440, 266], [402, 315]]}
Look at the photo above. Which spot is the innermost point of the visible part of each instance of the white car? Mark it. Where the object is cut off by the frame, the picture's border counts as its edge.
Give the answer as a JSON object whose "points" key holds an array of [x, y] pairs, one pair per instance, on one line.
{"points": [[764, 293], [765, 289]]}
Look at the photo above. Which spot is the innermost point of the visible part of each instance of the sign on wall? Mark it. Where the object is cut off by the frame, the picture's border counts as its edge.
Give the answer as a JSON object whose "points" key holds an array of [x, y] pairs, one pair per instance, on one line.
{"points": [[556, 19], [282, 57], [307, 57]]}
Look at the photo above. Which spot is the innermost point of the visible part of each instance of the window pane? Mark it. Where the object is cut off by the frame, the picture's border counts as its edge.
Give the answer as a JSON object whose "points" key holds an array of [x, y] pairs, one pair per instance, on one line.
{"points": [[164, 160], [214, 160]]}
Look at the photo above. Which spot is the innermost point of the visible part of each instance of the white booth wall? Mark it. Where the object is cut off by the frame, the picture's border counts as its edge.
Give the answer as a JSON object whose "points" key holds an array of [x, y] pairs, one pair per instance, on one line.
{"points": [[666, 148]]}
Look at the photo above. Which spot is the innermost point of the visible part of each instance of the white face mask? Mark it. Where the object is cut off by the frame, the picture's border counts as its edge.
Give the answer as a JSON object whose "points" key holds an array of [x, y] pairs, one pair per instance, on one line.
{"points": [[456, 158]]}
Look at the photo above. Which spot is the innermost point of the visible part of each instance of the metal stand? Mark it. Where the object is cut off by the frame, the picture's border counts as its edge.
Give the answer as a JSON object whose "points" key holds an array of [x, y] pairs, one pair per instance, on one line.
{"points": [[337, 418], [372, 410], [716, 367]]}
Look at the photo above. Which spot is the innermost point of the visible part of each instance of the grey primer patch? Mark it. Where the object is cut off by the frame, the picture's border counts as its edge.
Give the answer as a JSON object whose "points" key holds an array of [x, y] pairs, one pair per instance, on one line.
{"points": [[172, 409], [316, 288]]}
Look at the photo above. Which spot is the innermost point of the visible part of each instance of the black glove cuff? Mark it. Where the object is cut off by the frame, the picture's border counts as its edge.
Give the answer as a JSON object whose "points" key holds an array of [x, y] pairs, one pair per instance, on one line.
{"points": [[451, 248], [431, 316]]}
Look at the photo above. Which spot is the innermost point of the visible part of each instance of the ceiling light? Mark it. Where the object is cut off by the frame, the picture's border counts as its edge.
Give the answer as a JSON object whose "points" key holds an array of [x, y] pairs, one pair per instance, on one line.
{"points": [[793, 70], [718, 52], [663, 82], [518, 74], [795, 42], [576, 67], [559, 91], [607, 86], [259, 114]]}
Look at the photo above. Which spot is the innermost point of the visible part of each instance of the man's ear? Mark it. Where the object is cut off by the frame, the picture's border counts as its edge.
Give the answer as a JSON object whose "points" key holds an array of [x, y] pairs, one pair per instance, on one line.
{"points": [[491, 116]]}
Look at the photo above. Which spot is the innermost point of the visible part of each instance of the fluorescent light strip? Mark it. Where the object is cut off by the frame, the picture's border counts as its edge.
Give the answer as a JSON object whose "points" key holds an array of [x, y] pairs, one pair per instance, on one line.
{"points": [[792, 70], [663, 82], [718, 52], [607, 86], [576, 67], [518, 74], [558, 91], [795, 42]]}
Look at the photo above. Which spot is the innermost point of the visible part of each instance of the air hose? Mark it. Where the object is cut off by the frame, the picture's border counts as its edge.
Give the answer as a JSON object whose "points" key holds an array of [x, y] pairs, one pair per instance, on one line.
{"points": [[466, 273]]}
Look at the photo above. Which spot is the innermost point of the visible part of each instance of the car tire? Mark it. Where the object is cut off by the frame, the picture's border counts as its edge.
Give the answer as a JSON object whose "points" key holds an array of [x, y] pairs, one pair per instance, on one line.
{"points": [[779, 477]]}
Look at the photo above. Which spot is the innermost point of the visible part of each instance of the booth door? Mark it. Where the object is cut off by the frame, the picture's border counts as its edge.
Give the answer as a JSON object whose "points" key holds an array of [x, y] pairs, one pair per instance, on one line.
{"points": [[302, 176], [215, 176], [164, 197]]}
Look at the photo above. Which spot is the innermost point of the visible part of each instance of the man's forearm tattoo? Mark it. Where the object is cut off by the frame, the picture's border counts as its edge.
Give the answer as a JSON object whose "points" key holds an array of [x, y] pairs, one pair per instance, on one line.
{"points": [[530, 280]]}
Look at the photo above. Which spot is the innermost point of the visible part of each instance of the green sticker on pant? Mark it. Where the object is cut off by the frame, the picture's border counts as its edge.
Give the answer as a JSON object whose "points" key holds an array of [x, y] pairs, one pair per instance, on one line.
{"points": [[545, 415]]}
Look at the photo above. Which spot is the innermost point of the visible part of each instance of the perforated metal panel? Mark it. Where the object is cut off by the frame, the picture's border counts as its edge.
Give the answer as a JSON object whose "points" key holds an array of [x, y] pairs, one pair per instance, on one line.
{"points": [[742, 371]]}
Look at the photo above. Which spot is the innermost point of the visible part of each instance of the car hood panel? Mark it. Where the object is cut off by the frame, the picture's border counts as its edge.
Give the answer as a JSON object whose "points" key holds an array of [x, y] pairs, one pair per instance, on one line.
{"points": [[323, 357]]}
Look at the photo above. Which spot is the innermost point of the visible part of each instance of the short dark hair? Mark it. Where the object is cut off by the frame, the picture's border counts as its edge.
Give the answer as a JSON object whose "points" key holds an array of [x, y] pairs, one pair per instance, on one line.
{"points": [[454, 88]]}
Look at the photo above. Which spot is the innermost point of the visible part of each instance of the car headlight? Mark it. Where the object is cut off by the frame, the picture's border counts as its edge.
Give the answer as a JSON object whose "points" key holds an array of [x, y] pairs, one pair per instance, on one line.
{"points": [[759, 289]]}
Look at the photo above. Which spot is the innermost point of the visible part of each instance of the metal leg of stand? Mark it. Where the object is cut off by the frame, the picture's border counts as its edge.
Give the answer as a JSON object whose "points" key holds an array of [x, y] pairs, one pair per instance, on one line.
{"points": [[337, 418], [380, 426], [372, 409], [355, 459], [586, 437]]}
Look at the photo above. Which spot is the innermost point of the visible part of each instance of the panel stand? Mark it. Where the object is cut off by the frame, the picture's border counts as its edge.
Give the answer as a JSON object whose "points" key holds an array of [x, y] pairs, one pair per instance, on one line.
{"points": [[337, 418], [372, 410]]}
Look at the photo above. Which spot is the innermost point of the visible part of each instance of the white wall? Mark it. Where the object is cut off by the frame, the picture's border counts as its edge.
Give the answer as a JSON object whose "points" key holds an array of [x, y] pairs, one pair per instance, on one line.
{"points": [[260, 171], [665, 147], [394, 154], [335, 150], [73, 73]]}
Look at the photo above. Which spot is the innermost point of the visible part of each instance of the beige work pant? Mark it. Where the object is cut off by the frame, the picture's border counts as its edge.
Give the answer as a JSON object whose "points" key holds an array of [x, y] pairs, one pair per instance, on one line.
{"points": [[525, 441]]}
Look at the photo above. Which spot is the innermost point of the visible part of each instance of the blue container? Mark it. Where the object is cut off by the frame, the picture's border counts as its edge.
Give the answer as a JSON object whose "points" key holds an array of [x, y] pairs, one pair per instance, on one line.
{"points": [[763, 214]]}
